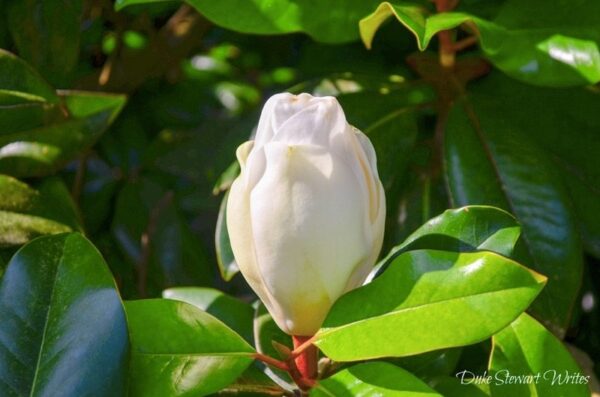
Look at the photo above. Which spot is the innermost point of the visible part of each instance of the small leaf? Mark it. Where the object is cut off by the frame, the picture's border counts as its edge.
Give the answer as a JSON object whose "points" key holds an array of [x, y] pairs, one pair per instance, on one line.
{"points": [[20, 83], [225, 259], [525, 348], [63, 330], [466, 229], [428, 300], [179, 350], [373, 379]]}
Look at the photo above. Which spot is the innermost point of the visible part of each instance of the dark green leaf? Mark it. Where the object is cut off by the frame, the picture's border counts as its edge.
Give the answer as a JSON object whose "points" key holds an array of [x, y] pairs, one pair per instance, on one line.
{"points": [[490, 159], [373, 379], [428, 300], [431, 364], [63, 330], [179, 350], [567, 129], [525, 348], [46, 34], [452, 387], [233, 312]]}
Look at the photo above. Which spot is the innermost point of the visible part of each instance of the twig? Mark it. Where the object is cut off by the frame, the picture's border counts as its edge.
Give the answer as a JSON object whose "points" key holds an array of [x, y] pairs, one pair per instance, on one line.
{"points": [[146, 241]]}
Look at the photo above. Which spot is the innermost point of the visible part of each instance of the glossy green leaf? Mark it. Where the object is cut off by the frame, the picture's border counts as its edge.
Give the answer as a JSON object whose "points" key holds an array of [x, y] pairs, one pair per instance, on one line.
{"points": [[428, 300], [27, 212], [20, 83], [491, 159], [45, 148], [283, 16], [179, 350], [559, 47], [232, 312], [373, 379], [46, 34], [465, 229], [227, 265], [525, 348], [63, 330]]}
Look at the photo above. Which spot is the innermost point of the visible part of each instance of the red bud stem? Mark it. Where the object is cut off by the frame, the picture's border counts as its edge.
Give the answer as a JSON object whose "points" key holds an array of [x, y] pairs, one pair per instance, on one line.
{"points": [[307, 360]]}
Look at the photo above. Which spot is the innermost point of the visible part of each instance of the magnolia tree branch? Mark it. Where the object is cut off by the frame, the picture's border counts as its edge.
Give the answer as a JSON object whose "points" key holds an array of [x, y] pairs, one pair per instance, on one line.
{"points": [[127, 69]]}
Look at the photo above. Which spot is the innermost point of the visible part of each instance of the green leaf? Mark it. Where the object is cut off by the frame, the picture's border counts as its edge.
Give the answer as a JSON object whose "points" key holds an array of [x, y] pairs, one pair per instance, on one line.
{"points": [[526, 348], [179, 350], [63, 330], [428, 300], [47, 34], [20, 83], [490, 158], [466, 229], [227, 265], [27, 212], [283, 16], [45, 148], [559, 47], [373, 379], [231, 311]]}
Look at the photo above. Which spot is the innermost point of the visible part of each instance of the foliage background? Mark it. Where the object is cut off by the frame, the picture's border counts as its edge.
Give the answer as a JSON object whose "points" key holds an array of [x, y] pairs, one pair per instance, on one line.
{"points": [[144, 177]]}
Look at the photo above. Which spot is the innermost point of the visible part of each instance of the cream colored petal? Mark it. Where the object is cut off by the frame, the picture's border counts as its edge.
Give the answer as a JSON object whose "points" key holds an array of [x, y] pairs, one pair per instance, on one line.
{"points": [[307, 220]]}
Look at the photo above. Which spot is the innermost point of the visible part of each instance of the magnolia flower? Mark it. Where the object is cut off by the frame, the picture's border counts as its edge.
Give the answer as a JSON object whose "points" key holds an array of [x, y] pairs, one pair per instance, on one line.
{"points": [[306, 214]]}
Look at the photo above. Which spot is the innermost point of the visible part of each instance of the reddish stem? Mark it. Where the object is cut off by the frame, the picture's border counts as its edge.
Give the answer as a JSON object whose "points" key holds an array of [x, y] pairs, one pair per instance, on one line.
{"points": [[447, 52], [306, 361], [272, 361]]}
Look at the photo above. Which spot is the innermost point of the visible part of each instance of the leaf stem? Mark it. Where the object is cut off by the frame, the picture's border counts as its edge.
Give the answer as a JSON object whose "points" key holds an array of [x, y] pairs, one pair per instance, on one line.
{"points": [[272, 361]]}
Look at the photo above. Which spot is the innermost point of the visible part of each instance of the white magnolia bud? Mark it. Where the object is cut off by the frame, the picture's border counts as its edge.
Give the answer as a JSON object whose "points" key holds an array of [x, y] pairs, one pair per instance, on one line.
{"points": [[306, 214]]}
